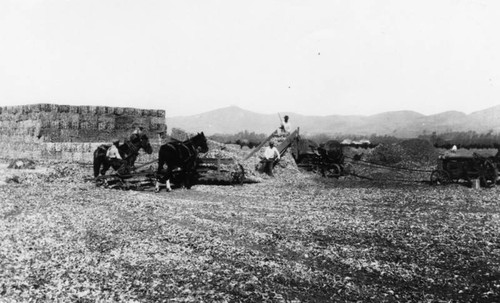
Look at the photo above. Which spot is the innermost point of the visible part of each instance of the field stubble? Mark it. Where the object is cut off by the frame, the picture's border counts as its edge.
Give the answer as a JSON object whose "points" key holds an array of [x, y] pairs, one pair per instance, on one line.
{"points": [[301, 239]]}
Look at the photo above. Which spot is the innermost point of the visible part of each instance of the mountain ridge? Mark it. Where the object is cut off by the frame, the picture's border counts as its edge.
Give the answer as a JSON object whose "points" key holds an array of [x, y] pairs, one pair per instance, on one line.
{"points": [[403, 124]]}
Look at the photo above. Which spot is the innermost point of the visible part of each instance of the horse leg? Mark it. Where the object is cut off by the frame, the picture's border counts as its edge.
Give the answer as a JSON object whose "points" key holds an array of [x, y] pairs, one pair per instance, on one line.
{"points": [[167, 183], [105, 166], [160, 179], [158, 184], [132, 160], [165, 177], [97, 166], [159, 176], [187, 180]]}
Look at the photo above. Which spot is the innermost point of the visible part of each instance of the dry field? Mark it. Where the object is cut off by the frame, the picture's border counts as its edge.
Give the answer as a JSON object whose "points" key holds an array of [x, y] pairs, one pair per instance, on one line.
{"points": [[299, 239]]}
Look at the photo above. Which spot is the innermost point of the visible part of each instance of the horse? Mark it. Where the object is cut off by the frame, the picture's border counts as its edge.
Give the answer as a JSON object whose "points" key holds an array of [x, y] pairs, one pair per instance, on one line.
{"points": [[180, 156], [129, 151]]}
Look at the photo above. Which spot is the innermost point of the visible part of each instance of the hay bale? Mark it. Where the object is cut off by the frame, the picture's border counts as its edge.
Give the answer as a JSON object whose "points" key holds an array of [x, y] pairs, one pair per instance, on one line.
{"points": [[74, 109], [101, 110], [63, 109]]}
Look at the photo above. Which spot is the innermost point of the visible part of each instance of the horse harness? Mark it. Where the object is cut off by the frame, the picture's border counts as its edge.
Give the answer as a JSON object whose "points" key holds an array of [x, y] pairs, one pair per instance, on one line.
{"points": [[188, 149], [132, 148]]}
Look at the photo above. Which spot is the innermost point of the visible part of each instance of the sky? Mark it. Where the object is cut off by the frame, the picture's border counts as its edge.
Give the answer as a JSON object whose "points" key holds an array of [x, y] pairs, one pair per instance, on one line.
{"points": [[311, 57]]}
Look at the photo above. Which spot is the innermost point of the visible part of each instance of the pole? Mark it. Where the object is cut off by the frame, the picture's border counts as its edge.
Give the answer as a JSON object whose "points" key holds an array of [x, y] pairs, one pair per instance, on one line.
{"points": [[281, 128]]}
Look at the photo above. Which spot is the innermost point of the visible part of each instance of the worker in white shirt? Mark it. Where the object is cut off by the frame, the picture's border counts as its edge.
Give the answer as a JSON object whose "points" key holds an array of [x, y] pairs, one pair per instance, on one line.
{"points": [[285, 127], [114, 157], [271, 155]]}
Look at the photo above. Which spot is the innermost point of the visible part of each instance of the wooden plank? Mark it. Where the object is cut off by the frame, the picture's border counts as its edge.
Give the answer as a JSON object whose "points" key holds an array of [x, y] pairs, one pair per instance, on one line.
{"points": [[288, 141], [260, 145]]}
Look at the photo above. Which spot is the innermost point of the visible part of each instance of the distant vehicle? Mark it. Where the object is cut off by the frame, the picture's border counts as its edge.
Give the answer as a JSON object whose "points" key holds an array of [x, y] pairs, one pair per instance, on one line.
{"points": [[454, 168]]}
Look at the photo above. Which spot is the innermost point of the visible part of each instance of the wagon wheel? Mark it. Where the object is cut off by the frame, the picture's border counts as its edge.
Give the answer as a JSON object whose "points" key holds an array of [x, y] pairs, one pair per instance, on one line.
{"points": [[333, 171], [440, 177], [489, 174], [316, 169]]}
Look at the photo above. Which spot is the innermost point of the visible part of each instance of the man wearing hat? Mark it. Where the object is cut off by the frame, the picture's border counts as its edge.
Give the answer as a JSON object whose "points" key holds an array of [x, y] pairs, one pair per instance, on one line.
{"points": [[285, 127], [271, 155], [138, 131]]}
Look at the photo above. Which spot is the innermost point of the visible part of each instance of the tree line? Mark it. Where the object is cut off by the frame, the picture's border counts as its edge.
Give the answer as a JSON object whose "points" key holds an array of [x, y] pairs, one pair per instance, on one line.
{"points": [[463, 139], [468, 139], [241, 138]]}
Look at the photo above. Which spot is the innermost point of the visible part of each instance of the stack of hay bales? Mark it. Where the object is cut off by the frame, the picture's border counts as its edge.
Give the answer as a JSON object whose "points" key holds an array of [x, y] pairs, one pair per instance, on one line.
{"points": [[64, 123], [180, 134], [70, 133]]}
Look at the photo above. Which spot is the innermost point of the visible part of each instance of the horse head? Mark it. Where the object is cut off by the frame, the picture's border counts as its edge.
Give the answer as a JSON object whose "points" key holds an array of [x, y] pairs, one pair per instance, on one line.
{"points": [[200, 142], [142, 141]]}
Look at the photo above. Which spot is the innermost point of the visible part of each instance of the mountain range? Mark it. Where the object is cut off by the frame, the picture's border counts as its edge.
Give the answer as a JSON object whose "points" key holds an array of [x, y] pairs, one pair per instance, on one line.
{"points": [[401, 124]]}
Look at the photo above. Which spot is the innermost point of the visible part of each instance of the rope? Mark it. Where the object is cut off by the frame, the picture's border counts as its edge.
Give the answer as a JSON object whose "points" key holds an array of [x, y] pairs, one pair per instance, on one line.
{"points": [[386, 179], [371, 164], [366, 163]]}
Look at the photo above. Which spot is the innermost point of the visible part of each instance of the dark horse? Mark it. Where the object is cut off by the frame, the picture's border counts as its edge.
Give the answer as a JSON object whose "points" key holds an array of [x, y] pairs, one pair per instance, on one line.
{"points": [[180, 156], [128, 151]]}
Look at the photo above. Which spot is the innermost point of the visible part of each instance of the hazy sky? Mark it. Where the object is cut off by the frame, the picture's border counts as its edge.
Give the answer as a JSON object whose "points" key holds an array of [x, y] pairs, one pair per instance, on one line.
{"points": [[309, 57]]}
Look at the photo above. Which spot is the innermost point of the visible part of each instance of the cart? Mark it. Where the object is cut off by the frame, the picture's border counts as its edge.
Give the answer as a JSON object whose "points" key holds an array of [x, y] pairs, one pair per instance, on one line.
{"points": [[219, 171]]}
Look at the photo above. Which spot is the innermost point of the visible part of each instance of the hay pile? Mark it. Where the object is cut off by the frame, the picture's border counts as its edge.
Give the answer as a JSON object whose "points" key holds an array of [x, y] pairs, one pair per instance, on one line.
{"points": [[285, 168], [411, 159], [408, 153], [419, 151]]}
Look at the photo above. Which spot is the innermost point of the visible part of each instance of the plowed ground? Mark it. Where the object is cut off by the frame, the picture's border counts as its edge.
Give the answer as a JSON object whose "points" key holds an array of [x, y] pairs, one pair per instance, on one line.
{"points": [[300, 239]]}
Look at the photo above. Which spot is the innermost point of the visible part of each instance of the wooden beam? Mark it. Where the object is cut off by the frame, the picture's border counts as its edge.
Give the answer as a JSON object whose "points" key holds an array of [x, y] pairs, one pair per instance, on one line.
{"points": [[288, 141], [281, 148], [260, 146]]}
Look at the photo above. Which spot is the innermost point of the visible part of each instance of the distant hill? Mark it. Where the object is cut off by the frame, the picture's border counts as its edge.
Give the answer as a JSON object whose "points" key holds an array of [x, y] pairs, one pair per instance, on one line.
{"points": [[402, 124]]}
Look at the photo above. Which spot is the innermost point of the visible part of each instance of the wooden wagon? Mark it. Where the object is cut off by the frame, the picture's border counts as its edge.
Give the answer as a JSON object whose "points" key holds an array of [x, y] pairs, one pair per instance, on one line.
{"points": [[219, 171], [137, 178], [208, 171]]}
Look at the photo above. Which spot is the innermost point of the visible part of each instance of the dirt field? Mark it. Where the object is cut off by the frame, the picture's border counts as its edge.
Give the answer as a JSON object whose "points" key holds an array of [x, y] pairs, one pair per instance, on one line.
{"points": [[301, 239]]}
